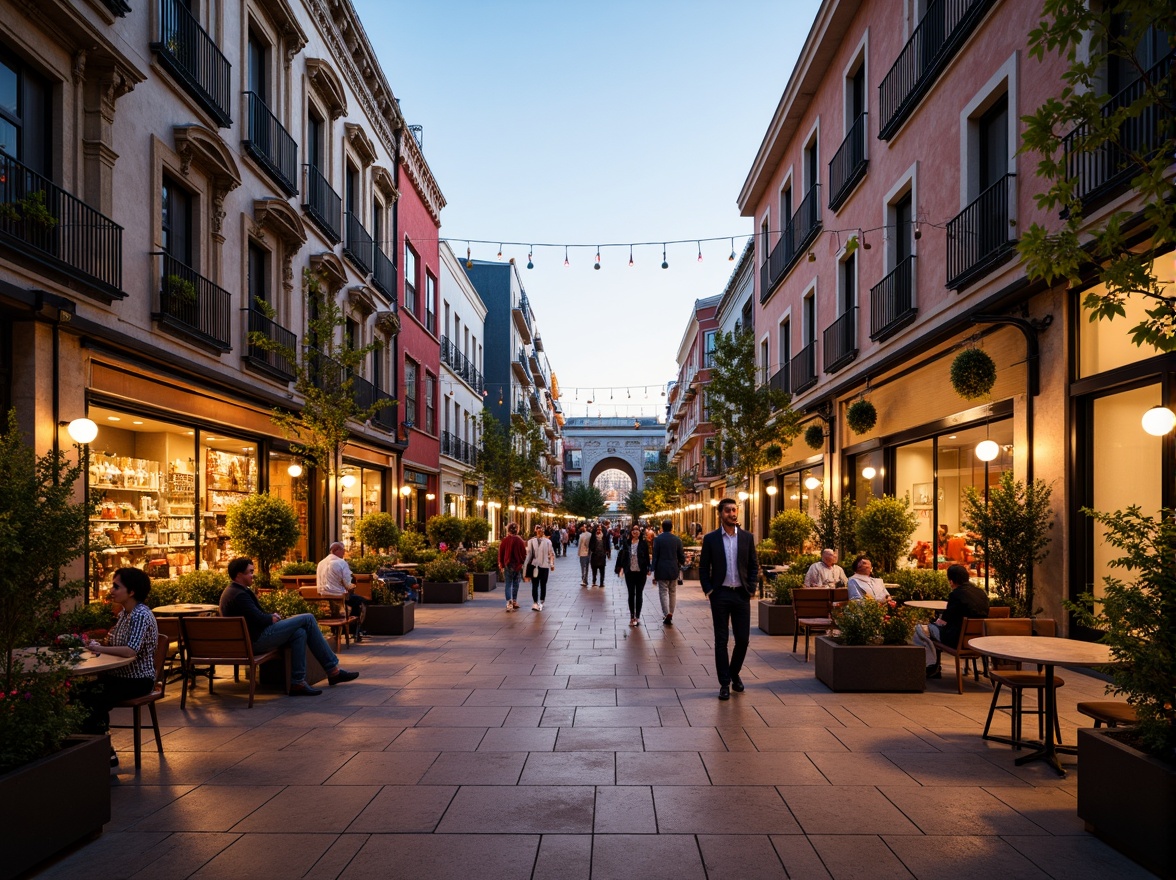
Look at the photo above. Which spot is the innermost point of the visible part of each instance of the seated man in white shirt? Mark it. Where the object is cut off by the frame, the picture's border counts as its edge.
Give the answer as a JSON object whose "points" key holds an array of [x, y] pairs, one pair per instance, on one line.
{"points": [[333, 579], [863, 583], [826, 573]]}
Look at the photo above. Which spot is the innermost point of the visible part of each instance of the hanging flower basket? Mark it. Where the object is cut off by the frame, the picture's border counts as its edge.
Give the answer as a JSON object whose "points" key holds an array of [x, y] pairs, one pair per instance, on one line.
{"points": [[814, 436], [861, 417], [973, 373], [773, 454]]}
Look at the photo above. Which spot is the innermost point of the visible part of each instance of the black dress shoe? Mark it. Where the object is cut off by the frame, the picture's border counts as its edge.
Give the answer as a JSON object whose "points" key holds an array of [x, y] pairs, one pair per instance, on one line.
{"points": [[934, 672], [724, 693], [669, 621], [304, 690], [341, 676], [736, 684]]}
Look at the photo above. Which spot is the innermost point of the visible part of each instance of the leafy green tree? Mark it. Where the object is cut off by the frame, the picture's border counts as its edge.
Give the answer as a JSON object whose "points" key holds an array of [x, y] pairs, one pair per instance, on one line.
{"points": [[445, 529], [509, 466], [1014, 526], [749, 417], [583, 501], [663, 489], [378, 531], [789, 530], [836, 527], [635, 504], [265, 528], [1139, 128], [884, 531]]}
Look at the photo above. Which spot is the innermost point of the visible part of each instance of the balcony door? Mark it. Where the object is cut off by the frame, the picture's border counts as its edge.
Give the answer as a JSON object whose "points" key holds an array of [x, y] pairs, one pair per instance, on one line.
{"points": [[176, 222]]}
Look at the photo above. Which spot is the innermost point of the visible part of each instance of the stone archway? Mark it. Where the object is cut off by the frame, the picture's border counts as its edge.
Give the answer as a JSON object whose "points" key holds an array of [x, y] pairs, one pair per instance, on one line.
{"points": [[612, 462]]}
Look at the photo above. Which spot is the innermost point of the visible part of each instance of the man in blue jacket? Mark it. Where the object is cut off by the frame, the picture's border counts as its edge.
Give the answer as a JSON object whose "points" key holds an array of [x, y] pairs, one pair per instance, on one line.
{"points": [[729, 572]]}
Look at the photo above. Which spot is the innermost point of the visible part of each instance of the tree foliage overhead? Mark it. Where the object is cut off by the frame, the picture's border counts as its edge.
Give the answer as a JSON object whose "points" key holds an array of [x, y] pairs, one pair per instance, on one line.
{"points": [[1136, 130], [748, 417], [583, 500], [510, 462]]}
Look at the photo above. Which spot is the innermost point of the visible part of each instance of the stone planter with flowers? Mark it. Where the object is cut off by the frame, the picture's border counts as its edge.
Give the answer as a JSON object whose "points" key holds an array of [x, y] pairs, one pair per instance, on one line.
{"points": [[873, 652]]}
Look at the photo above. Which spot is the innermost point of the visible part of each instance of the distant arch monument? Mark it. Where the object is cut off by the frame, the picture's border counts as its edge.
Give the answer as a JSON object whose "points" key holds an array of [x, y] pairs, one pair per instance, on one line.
{"points": [[593, 446]]}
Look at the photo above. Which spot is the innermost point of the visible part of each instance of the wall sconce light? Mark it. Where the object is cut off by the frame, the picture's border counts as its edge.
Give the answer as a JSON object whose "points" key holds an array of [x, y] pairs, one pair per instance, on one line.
{"points": [[743, 496], [429, 496], [772, 490], [81, 431], [347, 481], [1157, 421], [406, 491], [294, 470], [987, 450], [479, 502], [714, 502], [869, 473], [812, 483]]}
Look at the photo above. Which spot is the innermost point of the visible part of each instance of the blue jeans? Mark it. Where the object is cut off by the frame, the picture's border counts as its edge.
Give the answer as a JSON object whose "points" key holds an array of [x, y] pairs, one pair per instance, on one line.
{"points": [[513, 577], [299, 632]]}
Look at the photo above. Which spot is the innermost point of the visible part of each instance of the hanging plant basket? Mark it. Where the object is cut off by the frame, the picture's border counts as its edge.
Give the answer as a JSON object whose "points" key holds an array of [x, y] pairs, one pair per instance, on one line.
{"points": [[973, 373], [773, 454], [861, 417], [814, 436]]}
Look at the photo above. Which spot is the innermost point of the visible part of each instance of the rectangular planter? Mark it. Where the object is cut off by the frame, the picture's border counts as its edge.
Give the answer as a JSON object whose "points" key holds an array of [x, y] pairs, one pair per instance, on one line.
{"points": [[777, 620], [390, 620], [276, 673], [453, 593], [1128, 799], [870, 668], [484, 582], [54, 802]]}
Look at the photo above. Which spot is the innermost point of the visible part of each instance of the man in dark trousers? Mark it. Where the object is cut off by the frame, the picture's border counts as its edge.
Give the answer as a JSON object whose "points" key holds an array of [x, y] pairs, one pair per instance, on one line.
{"points": [[668, 558], [965, 600], [729, 571]]}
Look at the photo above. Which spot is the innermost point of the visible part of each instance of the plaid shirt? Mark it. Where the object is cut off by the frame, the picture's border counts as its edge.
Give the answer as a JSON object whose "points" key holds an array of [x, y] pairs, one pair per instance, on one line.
{"points": [[136, 630]]}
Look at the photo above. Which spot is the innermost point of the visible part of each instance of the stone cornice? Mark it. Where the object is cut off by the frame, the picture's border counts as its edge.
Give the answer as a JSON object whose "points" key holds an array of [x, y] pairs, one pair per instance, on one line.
{"points": [[421, 177], [283, 18], [327, 86]]}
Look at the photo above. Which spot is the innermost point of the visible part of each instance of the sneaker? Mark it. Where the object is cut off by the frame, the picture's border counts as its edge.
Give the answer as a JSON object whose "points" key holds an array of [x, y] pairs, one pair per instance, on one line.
{"points": [[340, 676], [535, 606], [509, 607], [540, 606], [515, 604], [669, 620]]}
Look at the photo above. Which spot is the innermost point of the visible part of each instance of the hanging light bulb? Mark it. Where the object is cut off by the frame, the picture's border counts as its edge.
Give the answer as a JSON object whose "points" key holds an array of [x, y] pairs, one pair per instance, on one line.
{"points": [[347, 481], [566, 263], [469, 261], [530, 262], [294, 470], [987, 450], [865, 244], [665, 263], [630, 256], [500, 250], [869, 473], [732, 257], [812, 258], [500, 397], [812, 483], [699, 243], [918, 231], [596, 265]]}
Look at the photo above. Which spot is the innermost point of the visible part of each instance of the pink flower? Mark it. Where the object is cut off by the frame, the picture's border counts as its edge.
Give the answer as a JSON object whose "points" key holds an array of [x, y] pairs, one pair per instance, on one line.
{"points": [[443, 546]]}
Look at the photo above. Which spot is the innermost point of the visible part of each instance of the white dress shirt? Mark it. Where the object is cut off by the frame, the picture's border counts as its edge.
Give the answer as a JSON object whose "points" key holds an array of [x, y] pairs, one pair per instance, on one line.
{"points": [[731, 551]]}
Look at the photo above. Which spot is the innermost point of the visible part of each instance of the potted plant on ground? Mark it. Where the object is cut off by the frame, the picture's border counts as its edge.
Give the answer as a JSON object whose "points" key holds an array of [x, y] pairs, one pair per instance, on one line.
{"points": [[873, 652], [46, 770], [477, 530], [445, 581], [884, 531], [1127, 787], [776, 615], [484, 566], [264, 528], [445, 529], [390, 613]]}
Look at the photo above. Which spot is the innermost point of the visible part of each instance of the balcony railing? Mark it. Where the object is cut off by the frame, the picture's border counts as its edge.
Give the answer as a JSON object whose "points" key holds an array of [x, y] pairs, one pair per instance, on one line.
{"points": [[539, 368], [43, 222], [892, 301], [189, 54], [521, 312], [358, 246], [781, 379], [455, 447], [193, 305], [367, 394], [802, 228], [1101, 169], [461, 366], [271, 145], [980, 236], [323, 205], [804, 368], [841, 341], [270, 360], [521, 370], [384, 273], [944, 29], [848, 165]]}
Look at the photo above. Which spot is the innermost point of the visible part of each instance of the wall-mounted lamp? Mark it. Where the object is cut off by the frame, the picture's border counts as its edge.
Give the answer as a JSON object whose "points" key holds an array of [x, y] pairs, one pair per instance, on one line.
{"points": [[81, 431], [812, 483], [772, 490], [406, 491], [743, 496], [869, 473], [1157, 421], [714, 502], [294, 470], [429, 496], [347, 481], [987, 450], [479, 502]]}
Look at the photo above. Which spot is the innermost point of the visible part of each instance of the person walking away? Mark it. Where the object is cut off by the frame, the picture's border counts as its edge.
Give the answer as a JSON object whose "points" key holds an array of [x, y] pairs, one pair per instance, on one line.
{"points": [[667, 560], [728, 570], [134, 634], [584, 550], [562, 550], [333, 578], [633, 560], [598, 554], [512, 553], [539, 563]]}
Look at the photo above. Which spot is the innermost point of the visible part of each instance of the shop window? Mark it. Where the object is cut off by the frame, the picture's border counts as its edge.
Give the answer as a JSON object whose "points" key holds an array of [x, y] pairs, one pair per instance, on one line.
{"points": [[144, 473], [802, 490], [1104, 345], [866, 475], [361, 491], [229, 474], [287, 479], [25, 115]]}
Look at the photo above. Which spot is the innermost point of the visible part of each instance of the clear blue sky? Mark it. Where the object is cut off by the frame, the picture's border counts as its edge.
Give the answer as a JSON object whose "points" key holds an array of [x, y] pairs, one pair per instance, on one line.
{"points": [[594, 123]]}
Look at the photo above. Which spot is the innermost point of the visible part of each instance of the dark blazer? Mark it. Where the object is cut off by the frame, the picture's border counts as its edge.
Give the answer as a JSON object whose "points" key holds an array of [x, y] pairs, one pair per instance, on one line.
{"points": [[668, 557], [712, 562], [623, 556], [966, 600]]}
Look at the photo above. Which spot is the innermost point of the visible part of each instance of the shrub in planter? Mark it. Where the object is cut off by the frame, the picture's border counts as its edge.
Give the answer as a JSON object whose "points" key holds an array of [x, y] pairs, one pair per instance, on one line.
{"points": [[200, 587], [389, 614], [445, 529], [378, 532], [264, 528], [789, 530], [288, 603], [918, 583], [861, 416], [802, 562], [973, 373], [410, 546], [291, 569], [477, 530], [445, 569], [835, 527], [781, 588], [369, 563], [767, 554], [884, 530], [814, 436]]}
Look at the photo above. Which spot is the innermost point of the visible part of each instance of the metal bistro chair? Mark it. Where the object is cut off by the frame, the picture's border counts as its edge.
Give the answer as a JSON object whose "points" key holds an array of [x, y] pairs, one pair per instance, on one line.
{"points": [[136, 704], [220, 640]]}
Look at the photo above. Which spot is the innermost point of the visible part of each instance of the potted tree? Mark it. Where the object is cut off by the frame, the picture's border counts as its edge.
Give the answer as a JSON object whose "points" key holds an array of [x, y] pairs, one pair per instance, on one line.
{"points": [[477, 530], [884, 531], [789, 530], [445, 529], [264, 528], [46, 769], [378, 532], [873, 652], [445, 581], [777, 616], [1138, 615], [390, 613], [485, 568]]}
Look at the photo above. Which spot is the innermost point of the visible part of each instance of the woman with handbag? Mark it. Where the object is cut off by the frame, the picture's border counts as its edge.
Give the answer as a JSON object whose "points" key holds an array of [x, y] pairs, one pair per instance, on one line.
{"points": [[633, 560], [539, 563]]}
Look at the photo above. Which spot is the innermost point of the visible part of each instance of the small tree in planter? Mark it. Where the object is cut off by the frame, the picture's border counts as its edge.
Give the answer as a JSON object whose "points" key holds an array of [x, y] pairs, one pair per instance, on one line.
{"points": [[264, 528], [884, 530], [789, 530], [477, 530], [776, 615], [445, 529], [1014, 526], [378, 532], [836, 526]]}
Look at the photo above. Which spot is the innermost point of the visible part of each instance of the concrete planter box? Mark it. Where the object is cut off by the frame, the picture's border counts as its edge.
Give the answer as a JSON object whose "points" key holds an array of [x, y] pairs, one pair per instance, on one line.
{"points": [[54, 802], [276, 673], [870, 668], [777, 620], [452, 593], [390, 620], [1128, 798], [484, 582]]}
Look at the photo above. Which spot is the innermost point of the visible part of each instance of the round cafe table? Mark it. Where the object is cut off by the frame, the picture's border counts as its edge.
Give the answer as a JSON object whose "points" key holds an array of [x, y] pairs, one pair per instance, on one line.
{"points": [[929, 604], [184, 610], [88, 664], [1049, 653]]}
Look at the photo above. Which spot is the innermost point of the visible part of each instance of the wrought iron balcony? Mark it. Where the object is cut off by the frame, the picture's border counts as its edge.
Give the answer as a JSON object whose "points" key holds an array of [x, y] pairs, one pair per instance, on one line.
{"points": [[781, 379], [42, 222], [804, 368], [521, 370], [274, 361], [323, 205], [800, 232], [849, 163], [981, 236], [944, 29], [191, 304], [455, 447], [539, 368], [521, 312], [384, 273], [189, 54], [367, 394], [1101, 169], [358, 246], [460, 365], [841, 341], [892, 301], [270, 144]]}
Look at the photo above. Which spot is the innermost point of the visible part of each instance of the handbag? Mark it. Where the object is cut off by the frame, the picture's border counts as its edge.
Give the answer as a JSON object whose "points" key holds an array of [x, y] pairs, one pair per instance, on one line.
{"points": [[534, 571]]}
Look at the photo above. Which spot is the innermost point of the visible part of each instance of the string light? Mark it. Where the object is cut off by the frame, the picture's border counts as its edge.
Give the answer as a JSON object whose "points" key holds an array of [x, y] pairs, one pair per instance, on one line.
{"points": [[699, 243], [732, 257], [469, 261], [530, 263], [630, 256], [500, 250], [596, 265], [665, 263], [566, 263]]}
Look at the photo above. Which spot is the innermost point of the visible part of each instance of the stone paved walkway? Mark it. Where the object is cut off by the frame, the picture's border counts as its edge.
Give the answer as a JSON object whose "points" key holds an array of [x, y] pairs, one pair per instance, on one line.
{"points": [[564, 744]]}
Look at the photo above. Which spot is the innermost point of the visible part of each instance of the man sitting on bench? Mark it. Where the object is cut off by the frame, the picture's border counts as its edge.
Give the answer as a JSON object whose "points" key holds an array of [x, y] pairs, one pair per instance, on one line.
{"points": [[333, 579]]}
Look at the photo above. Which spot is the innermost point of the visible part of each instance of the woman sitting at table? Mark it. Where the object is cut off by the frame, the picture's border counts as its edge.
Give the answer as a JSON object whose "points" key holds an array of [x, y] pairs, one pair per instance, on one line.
{"points": [[863, 584], [134, 634]]}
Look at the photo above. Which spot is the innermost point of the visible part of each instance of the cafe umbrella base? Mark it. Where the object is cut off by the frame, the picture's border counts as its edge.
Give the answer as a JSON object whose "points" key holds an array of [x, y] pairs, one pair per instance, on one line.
{"points": [[1128, 799], [870, 668], [54, 802]]}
